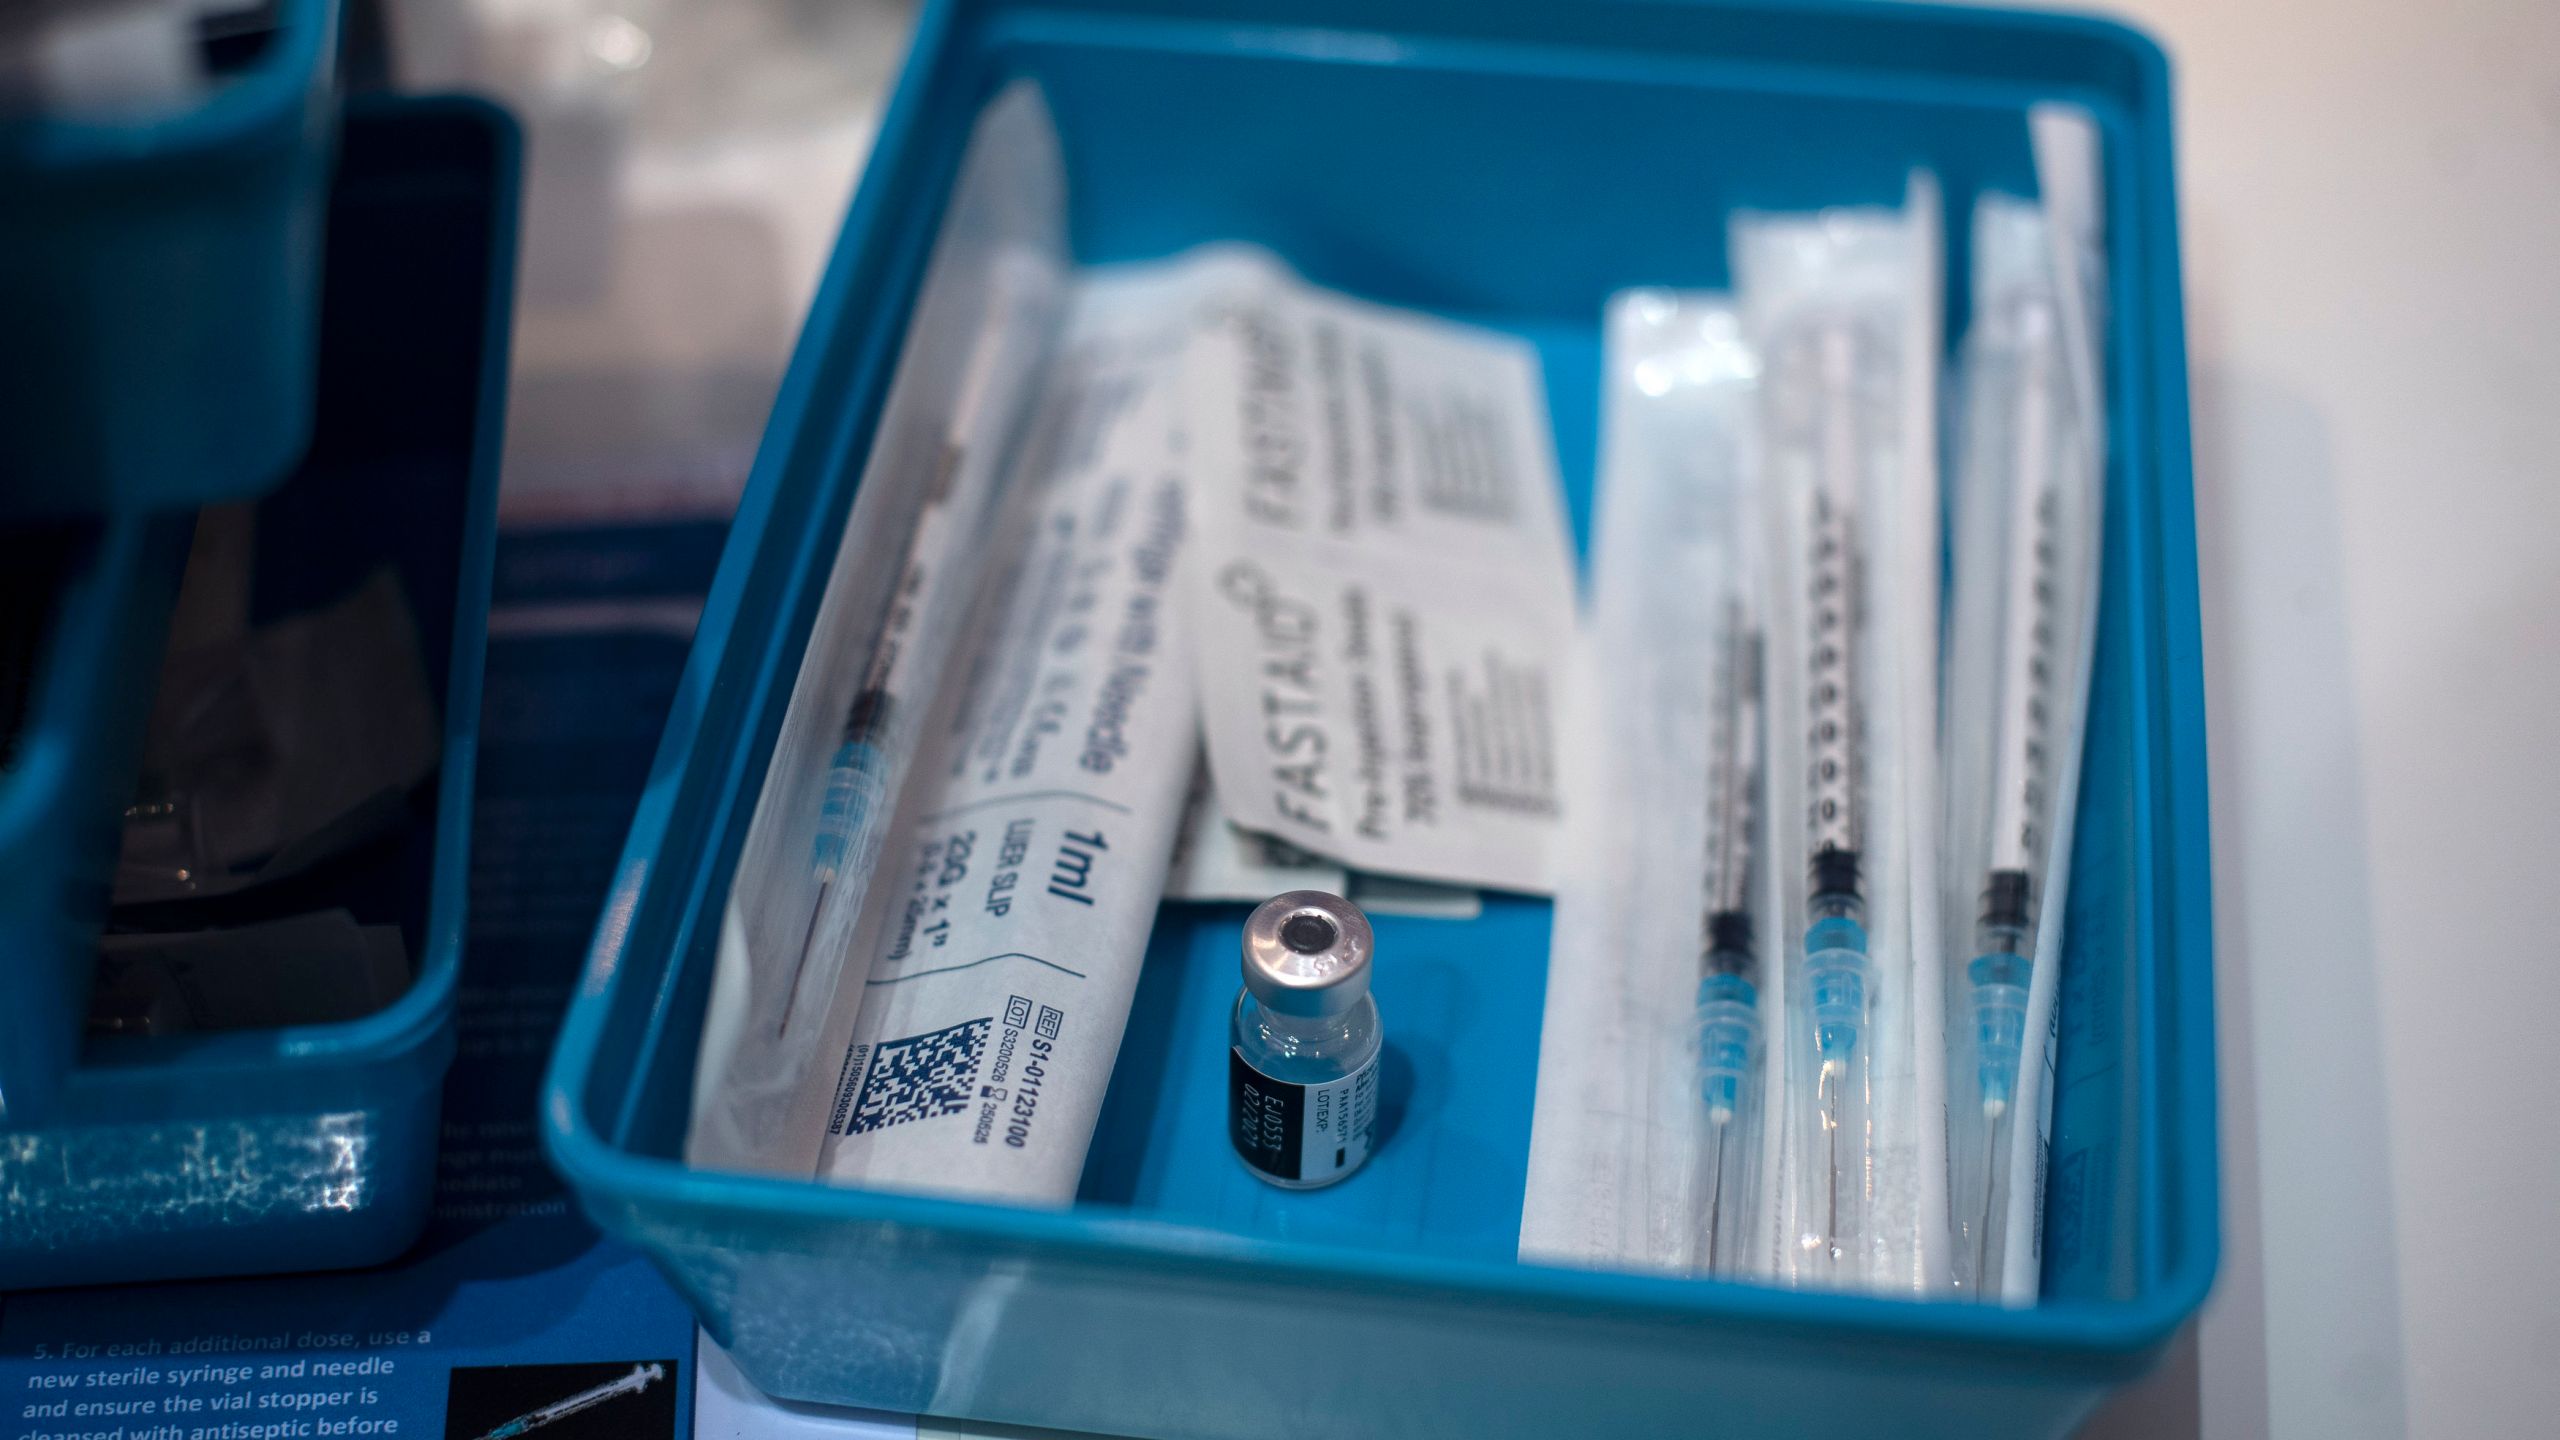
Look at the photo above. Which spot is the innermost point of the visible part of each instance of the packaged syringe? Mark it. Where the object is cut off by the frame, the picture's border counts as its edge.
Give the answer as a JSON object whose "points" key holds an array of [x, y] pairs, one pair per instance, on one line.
{"points": [[906, 572], [1650, 1141], [1842, 308], [977, 1035], [2028, 500]]}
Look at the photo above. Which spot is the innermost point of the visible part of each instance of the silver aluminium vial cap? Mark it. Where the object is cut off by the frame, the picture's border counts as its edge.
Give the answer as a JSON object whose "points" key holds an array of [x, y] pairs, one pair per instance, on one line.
{"points": [[1307, 952]]}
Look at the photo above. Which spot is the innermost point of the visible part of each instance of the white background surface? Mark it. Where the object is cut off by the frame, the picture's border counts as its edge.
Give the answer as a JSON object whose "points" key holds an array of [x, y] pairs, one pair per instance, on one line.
{"points": [[2372, 228], [2370, 195]]}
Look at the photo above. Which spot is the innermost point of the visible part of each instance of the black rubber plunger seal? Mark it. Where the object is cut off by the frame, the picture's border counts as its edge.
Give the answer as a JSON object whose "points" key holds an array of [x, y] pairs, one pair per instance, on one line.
{"points": [[1729, 932], [2004, 900], [1835, 872]]}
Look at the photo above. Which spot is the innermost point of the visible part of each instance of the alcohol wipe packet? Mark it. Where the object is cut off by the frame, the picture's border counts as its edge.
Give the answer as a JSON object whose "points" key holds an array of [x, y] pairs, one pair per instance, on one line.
{"points": [[1384, 588]]}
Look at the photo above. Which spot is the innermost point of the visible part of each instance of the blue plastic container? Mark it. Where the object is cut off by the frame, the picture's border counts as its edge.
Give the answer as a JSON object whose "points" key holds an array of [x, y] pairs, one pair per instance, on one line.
{"points": [[313, 1146], [159, 289], [1510, 164], [86, 610]]}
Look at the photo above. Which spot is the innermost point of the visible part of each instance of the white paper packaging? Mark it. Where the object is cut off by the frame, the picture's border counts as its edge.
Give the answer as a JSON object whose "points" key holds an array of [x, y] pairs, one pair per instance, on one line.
{"points": [[1385, 590], [1842, 308], [903, 579], [977, 1051], [1216, 861], [1615, 1140], [2067, 178]]}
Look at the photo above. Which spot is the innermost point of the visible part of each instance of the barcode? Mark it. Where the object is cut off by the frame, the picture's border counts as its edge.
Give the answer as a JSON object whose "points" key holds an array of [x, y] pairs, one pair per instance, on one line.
{"points": [[920, 1076]]}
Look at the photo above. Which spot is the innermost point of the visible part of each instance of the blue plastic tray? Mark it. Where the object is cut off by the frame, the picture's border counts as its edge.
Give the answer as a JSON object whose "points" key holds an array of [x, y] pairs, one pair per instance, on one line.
{"points": [[159, 289], [84, 618], [314, 1146], [1509, 163]]}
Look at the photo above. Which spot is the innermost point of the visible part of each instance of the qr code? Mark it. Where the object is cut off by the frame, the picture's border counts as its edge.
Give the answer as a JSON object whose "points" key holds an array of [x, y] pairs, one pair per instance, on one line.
{"points": [[920, 1077]]}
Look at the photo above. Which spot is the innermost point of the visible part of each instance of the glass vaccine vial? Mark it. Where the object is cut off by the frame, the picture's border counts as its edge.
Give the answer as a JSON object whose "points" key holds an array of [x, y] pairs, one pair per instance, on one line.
{"points": [[1302, 1076]]}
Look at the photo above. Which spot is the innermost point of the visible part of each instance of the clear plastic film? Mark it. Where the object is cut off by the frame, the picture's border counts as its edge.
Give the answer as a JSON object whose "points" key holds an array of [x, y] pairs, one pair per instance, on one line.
{"points": [[1652, 1120], [1843, 309], [904, 575], [2026, 495]]}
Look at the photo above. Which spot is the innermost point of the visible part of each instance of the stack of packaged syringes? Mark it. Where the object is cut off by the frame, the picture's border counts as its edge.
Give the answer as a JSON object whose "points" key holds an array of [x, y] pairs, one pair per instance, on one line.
{"points": [[1810, 949], [1191, 580]]}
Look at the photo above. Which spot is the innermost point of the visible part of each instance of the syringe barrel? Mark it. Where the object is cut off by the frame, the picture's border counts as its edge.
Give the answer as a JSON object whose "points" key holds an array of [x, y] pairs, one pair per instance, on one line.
{"points": [[1733, 771]]}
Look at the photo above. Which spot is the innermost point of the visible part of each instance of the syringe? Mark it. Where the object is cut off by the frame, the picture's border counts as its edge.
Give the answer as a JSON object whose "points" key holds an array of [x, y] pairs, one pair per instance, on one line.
{"points": [[1837, 968], [640, 1378], [1728, 1017], [2022, 748], [856, 780]]}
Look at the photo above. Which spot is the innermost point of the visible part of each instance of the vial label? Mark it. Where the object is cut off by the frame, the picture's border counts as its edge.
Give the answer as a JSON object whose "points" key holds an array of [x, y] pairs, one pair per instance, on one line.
{"points": [[1303, 1134]]}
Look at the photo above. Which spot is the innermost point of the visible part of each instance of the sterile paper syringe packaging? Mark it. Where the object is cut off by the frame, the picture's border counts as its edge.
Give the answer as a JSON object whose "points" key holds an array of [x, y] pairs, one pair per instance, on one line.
{"points": [[1842, 311], [1047, 801], [2028, 490], [1772, 932], [901, 584], [1741, 1054], [1667, 892]]}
